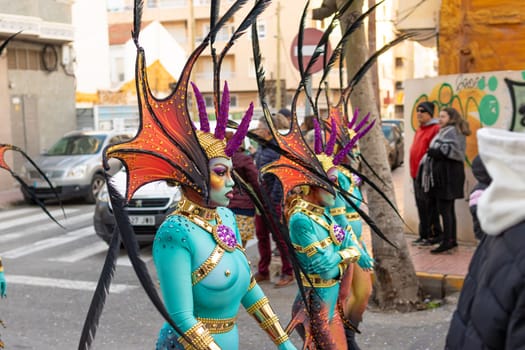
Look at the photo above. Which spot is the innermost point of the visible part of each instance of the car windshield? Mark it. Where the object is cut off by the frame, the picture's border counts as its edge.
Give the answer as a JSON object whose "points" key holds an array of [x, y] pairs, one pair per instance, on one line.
{"points": [[77, 145]]}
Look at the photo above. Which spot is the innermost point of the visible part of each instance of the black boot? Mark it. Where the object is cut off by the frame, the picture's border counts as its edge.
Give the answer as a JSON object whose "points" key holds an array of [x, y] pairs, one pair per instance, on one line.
{"points": [[350, 339], [443, 247]]}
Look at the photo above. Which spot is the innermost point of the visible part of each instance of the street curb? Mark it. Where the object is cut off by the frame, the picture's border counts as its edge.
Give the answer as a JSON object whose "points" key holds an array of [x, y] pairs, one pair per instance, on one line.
{"points": [[440, 285]]}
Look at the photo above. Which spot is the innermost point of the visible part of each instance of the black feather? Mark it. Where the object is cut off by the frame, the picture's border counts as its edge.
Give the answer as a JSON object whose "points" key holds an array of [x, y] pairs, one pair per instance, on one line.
{"points": [[366, 218], [366, 66], [137, 18], [338, 51], [4, 44], [215, 5], [130, 243], [257, 9], [300, 39], [101, 292], [35, 199], [259, 69], [29, 191]]}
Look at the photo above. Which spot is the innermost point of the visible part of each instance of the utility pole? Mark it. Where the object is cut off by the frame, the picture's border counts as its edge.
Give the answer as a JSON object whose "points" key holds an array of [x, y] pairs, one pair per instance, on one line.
{"points": [[278, 102]]}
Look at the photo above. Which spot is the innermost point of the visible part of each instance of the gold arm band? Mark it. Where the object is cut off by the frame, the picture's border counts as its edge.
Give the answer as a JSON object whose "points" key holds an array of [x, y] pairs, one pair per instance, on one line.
{"points": [[318, 281], [200, 339], [338, 211], [207, 266], [349, 255], [1, 266], [352, 216], [310, 250], [253, 282], [268, 320], [217, 325]]}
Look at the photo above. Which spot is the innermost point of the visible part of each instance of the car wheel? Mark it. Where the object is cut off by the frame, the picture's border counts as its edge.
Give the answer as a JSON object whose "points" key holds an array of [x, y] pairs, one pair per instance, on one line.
{"points": [[97, 183], [28, 199]]}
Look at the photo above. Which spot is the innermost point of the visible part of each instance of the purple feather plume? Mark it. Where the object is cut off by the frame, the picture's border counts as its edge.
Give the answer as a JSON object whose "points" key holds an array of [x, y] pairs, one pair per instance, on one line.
{"points": [[237, 139], [340, 156], [222, 117], [354, 118], [329, 148], [362, 123], [201, 105], [318, 144]]}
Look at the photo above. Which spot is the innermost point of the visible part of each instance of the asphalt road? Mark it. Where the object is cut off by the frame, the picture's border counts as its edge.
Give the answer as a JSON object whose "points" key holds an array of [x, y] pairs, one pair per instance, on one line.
{"points": [[51, 276]]}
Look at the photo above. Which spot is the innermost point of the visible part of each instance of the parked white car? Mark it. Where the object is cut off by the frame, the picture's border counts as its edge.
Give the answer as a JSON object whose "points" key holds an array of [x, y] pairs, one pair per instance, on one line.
{"points": [[146, 210]]}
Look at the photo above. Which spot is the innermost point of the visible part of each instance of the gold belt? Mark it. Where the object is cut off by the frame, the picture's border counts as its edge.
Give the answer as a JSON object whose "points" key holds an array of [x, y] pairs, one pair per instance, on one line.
{"points": [[318, 281], [218, 325], [352, 216]]}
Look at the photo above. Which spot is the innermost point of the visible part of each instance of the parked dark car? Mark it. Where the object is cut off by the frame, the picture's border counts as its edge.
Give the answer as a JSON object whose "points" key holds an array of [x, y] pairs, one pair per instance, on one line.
{"points": [[395, 144], [73, 165], [146, 210], [400, 123]]}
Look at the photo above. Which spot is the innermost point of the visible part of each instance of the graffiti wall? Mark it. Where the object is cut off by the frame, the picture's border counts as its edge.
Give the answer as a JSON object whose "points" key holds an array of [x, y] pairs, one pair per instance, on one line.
{"points": [[488, 99]]}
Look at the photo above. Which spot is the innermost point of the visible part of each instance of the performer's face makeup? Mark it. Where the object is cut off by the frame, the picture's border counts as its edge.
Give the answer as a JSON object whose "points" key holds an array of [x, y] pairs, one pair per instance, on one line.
{"points": [[221, 182], [323, 197]]}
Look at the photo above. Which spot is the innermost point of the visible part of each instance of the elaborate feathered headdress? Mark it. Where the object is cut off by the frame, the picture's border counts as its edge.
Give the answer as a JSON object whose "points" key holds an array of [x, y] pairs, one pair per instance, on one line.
{"points": [[169, 147]]}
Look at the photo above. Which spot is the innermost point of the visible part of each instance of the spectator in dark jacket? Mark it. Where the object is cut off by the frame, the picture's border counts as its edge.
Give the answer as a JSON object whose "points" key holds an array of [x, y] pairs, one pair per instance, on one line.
{"points": [[480, 173], [272, 187], [443, 172], [491, 308], [241, 203]]}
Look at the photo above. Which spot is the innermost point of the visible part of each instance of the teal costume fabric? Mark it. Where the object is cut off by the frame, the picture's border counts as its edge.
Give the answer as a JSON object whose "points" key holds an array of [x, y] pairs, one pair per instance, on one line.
{"points": [[304, 232], [180, 247], [3, 285], [365, 261]]}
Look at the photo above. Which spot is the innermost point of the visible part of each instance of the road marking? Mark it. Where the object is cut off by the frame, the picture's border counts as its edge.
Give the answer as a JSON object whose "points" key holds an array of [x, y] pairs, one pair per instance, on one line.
{"points": [[82, 253], [48, 243], [37, 217], [16, 212], [44, 227], [63, 283], [9, 237], [145, 255]]}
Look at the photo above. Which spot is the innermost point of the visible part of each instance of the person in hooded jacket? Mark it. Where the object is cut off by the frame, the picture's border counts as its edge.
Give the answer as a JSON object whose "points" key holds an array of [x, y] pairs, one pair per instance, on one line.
{"points": [[480, 173], [491, 308]]}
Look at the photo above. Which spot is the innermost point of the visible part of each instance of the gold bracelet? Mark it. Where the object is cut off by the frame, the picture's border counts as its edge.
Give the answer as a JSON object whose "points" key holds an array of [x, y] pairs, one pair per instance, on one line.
{"points": [[350, 254], [268, 320], [253, 282], [200, 338]]}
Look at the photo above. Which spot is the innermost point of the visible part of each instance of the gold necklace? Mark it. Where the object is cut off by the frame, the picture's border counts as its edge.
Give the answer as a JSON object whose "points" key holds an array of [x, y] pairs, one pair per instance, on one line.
{"points": [[317, 214], [223, 235]]}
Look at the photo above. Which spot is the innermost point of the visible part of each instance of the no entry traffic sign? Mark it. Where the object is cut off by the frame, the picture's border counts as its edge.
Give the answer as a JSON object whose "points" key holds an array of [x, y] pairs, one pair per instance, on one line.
{"points": [[310, 41]]}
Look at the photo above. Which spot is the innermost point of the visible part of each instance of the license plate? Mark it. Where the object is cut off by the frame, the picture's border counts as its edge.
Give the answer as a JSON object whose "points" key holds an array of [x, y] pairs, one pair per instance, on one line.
{"points": [[142, 220], [40, 184]]}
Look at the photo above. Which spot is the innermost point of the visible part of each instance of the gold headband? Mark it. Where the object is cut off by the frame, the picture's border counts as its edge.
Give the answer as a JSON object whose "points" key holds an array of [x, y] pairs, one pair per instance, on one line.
{"points": [[213, 147], [326, 161]]}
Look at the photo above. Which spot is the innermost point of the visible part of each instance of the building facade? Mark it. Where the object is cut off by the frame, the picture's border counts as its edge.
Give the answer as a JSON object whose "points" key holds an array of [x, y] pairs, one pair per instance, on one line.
{"points": [[37, 83]]}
